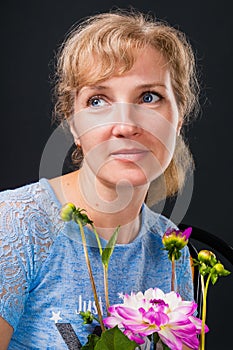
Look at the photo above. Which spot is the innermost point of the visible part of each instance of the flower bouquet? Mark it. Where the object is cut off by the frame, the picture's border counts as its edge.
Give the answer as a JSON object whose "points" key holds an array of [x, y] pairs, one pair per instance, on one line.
{"points": [[153, 319]]}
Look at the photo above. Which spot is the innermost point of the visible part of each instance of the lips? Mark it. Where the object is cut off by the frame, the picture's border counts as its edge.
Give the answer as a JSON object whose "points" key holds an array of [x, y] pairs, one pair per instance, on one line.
{"points": [[133, 154]]}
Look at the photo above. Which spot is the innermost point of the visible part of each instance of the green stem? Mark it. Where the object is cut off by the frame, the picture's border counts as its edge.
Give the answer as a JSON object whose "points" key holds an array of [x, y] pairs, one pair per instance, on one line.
{"points": [[204, 307], [202, 285], [98, 239], [105, 267], [91, 275], [95, 318], [173, 274], [106, 287]]}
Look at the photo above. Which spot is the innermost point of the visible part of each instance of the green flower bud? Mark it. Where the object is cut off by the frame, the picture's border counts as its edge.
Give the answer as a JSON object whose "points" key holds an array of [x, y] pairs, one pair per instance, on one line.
{"points": [[87, 317], [207, 257], [220, 270], [67, 211]]}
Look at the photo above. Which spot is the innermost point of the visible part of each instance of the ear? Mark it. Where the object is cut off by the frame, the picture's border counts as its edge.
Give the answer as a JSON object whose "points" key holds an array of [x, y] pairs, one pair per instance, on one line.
{"points": [[70, 118], [74, 132], [77, 142], [179, 126]]}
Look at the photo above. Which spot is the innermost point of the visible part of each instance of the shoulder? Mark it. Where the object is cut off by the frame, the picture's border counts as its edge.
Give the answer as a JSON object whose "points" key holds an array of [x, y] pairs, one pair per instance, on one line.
{"points": [[29, 219], [29, 225], [36, 193], [30, 203]]}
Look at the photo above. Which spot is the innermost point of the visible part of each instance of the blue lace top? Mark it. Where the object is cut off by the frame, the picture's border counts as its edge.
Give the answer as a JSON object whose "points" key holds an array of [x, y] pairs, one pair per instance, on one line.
{"points": [[44, 281]]}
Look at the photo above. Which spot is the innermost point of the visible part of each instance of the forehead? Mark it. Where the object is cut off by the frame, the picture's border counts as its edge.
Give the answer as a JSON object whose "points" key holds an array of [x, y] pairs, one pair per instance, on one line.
{"points": [[148, 63]]}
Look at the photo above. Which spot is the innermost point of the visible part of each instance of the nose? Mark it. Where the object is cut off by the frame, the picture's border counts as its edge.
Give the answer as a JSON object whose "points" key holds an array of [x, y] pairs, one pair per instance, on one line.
{"points": [[125, 124]]}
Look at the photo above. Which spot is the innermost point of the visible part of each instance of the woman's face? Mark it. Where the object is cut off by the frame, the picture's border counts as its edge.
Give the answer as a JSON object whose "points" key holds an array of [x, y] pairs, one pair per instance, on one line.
{"points": [[127, 124]]}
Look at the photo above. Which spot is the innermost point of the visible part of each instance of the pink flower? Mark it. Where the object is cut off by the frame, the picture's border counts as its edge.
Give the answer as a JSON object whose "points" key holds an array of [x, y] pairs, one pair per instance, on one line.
{"points": [[154, 311]]}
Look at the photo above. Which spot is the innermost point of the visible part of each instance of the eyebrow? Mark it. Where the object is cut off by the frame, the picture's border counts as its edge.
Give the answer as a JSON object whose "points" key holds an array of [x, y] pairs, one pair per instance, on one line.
{"points": [[138, 87], [151, 85]]}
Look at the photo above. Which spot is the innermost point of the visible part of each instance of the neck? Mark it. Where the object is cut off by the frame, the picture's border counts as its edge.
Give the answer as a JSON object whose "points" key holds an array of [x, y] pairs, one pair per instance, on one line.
{"points": [[107, 206], [126, 234]]}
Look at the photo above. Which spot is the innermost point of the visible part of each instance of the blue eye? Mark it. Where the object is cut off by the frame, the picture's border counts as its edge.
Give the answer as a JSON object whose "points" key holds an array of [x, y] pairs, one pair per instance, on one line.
{"points": [[96, 102], [149, 97]]}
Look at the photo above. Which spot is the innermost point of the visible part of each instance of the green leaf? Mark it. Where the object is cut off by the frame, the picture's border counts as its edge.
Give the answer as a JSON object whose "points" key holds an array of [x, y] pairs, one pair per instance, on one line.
{"points": [[114, 339], [155, 337], [110, 247], [165, 347], [225, 273], [214, 278], [92, 341]]}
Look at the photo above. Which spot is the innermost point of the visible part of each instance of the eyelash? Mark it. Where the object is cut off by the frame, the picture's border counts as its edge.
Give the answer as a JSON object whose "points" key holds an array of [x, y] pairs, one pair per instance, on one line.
{"points": [[96, 97], [152, 92], [92, 98]]}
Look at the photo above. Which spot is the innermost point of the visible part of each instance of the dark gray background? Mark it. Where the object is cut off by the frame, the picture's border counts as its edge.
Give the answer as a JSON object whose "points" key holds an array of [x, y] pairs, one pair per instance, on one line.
{"points": [[31, 32]]}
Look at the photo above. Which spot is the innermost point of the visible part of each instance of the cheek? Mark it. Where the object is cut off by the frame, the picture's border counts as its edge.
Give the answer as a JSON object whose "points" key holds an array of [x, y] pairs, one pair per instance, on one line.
{"points": [[93, 138], [162, 151], [87, 142], [162, 133], [163, 130]]}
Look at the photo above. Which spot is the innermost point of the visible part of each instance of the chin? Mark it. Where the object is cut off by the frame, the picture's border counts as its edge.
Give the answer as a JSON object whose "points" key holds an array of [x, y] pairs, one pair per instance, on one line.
{"points": [[125, 180], [127, 174]]}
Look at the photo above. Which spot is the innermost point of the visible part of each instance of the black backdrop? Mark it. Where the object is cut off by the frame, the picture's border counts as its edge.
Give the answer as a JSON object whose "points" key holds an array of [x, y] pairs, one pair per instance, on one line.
{"points": [[31, 32]]}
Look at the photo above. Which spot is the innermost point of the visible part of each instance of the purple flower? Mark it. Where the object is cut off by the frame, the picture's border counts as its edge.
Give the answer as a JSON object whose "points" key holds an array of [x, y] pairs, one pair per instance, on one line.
{"points": [[175, 240], [154, 311], [177, 236]]}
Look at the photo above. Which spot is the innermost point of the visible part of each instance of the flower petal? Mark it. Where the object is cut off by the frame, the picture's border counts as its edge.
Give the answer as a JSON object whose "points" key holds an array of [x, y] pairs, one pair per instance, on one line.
{"points": [[191, 342], [198, 323], [140, 329], [111, 321], [186, 307], [173, 342], [128, 313], [139, 340], [187, 232]]}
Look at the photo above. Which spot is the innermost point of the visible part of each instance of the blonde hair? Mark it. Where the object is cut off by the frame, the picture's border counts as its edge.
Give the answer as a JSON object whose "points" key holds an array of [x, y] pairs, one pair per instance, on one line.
{"points": [[107, 44]]}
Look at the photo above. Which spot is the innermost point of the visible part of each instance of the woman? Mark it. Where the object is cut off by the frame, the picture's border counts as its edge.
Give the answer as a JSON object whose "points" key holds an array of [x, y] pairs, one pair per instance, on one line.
{"points": [[125, 86]]}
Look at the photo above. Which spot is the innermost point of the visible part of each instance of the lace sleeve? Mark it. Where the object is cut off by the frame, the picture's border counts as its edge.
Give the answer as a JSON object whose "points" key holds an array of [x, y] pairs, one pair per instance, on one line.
{"points": [[26, 235], [15, 263]]}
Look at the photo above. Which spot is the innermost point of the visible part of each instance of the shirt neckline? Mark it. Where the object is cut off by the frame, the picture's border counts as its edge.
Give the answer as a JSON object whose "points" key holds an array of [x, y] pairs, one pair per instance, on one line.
{"points": [[45, 184], [146, 221]]}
